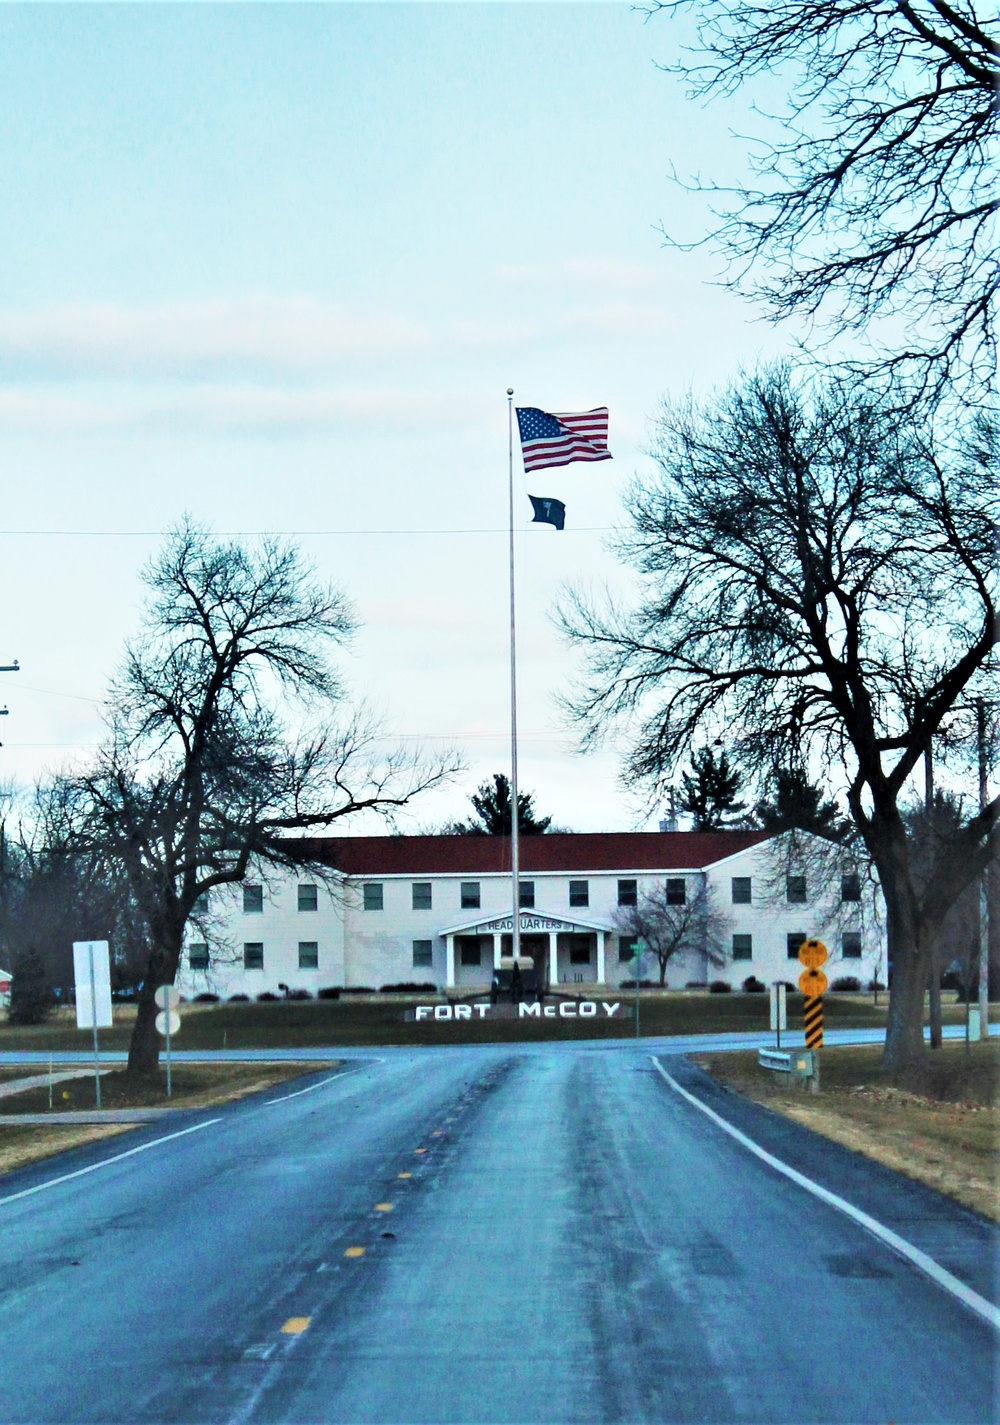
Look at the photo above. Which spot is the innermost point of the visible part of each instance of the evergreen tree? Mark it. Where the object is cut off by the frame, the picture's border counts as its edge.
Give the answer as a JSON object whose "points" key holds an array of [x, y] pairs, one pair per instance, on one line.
{"points": [[30, 994], [491, 802], [709, 791], [796, 804]]}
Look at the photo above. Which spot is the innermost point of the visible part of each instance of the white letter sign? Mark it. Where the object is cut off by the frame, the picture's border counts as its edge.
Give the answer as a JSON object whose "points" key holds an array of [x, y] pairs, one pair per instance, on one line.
{"points": [[92, 966]]}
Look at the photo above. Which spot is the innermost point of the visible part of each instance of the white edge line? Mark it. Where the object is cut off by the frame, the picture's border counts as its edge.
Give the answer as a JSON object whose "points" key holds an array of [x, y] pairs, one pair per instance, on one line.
{"points": [[312, 1087], [105, 1162], [919, 1259]]}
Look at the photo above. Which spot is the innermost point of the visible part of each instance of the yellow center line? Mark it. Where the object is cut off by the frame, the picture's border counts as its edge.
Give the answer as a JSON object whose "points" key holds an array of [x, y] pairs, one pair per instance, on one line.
{"points": [[355, 1252], [420, 1150], [383, 1207], [295, 1325], [404, 1175]]}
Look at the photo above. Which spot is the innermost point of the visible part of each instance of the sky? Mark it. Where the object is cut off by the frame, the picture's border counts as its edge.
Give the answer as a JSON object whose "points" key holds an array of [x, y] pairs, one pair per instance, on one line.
{"points": [[273, 267]]}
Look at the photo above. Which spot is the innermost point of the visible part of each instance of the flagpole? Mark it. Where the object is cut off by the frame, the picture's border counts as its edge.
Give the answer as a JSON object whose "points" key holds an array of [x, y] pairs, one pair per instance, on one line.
{"points": [[515, 920]]}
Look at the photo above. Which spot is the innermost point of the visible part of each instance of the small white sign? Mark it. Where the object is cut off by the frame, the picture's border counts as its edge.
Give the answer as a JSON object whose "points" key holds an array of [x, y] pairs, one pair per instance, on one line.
{"points": [[174, 1022], [92, 966], [779, 1012], [167, 997]]}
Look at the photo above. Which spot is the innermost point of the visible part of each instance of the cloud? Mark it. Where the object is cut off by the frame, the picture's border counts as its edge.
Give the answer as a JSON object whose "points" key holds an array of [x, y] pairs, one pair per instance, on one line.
{"points": [[292, 335]]}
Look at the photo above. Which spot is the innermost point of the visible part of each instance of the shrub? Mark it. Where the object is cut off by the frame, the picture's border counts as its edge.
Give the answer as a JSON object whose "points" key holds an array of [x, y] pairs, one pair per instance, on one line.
{"points": [[238, 999], [206, 997], [875, 985], [30, 992], [408, 987], [846, 982], [753, 986], [643, 985], [329, 992], [359, 990], [720, 987], [696, 985], [267, 997], [299, 994]]}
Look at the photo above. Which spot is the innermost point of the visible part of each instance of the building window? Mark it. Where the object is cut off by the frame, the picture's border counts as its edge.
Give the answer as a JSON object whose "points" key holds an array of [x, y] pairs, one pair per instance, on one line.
{"points": [[742, 947], [793, 942], [741, 890], [579, 893], [198, 957], [201, 904], [470, 895], [421, 895], [579, 949], [308, 955], [526, 895], [795, 890], [626, 947], [372, 892], [677, 891], [253, 955], [308, 897], [628, 893], [850, 944], [253, 900], [469, 950], [850, 887], [423, 954]]}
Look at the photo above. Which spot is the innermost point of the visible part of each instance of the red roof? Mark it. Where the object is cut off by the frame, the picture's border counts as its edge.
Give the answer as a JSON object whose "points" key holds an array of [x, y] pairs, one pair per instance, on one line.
{"points": [[557, 852]]}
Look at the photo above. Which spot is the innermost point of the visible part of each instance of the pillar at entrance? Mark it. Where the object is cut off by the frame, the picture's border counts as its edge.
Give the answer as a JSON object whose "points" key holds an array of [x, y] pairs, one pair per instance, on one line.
{"points": [[553, 958], [449, 972], [600, 957], [497, 950]]}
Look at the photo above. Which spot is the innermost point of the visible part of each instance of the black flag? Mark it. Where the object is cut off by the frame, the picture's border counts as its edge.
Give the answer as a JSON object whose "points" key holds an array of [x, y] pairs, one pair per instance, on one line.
{"points": [[548, 511]]}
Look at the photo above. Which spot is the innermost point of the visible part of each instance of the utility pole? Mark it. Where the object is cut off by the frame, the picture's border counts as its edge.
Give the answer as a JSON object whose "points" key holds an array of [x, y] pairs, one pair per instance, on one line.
{"points": [[935, 981]]}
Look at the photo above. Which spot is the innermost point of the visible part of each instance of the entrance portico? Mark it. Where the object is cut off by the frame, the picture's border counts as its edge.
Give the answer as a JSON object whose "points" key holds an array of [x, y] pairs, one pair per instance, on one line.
{"points": [[534, 927]]}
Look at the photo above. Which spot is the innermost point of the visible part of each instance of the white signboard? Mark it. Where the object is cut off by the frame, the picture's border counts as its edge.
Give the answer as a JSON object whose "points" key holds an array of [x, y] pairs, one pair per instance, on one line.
{"points": [[92, 965]]}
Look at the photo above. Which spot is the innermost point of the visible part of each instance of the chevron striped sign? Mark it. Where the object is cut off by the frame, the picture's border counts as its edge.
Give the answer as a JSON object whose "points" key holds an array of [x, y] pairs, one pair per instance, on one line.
{"points": [[812, 1016]]}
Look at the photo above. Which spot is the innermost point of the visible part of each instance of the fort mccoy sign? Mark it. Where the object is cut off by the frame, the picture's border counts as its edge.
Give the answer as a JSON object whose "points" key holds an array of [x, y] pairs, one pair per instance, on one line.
{"points": [[532, 1009]]}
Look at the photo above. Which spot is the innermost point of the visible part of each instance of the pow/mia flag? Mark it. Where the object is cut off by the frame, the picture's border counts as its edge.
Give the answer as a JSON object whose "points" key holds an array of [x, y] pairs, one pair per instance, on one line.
{"points": [[548, 511]]}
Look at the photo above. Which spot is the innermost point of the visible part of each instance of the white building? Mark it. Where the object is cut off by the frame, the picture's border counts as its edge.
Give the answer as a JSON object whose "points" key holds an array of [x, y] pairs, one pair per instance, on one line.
{"points": [[436, 909]]}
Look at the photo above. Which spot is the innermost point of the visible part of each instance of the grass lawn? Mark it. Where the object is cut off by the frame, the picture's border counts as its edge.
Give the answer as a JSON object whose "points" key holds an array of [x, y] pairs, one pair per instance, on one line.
{"points": [[378, 1019], [193, 1086], [938, 1123]]}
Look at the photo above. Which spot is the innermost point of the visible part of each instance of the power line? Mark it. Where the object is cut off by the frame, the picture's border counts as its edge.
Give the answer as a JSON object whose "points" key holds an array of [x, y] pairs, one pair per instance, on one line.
{"points": [[279, 533]]}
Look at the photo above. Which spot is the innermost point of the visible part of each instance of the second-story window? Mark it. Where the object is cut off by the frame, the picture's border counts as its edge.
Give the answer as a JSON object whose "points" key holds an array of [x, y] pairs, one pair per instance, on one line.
{"points": [[470, 895], [795, 890], [579, 893], [526, 895], [677, 891], [741, 890], [371, 893], [421, 895], [253, 900], [628, 893], [308, 897], [850, 886]]}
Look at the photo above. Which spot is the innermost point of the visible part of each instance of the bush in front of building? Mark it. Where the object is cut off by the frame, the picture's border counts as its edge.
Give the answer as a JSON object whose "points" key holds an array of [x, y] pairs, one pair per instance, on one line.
{"points": [[696, 984], [360, 990], [848, 983], [206, 997], [267, 997], [720, 987], [239, 999], [753, 986], [874, 985], [299, 994], [643, 985], [328, 992], [409, 987]]}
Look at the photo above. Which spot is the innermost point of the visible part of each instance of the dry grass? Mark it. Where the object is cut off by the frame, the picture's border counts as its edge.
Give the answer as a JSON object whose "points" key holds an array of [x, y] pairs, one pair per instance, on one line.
{"points": [[939, 1123], [194, 1086]]}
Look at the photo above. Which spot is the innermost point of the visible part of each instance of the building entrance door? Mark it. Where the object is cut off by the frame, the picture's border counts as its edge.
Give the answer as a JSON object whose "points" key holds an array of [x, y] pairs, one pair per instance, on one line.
{"points": [[537, 947]]}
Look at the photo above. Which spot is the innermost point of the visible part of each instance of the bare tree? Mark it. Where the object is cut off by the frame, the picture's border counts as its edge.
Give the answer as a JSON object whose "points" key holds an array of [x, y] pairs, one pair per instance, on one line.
{"points": [[672, 922], [221, 746], [879, 199], [814, 574]]}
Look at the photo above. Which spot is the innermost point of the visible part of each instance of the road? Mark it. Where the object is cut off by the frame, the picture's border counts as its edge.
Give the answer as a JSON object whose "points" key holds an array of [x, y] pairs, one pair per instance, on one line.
{"points": [[483, 1235]]}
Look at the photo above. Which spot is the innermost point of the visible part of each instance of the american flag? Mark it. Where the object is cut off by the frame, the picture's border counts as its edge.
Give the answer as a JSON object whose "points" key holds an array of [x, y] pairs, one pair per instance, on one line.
{"points": [[560, 439]]}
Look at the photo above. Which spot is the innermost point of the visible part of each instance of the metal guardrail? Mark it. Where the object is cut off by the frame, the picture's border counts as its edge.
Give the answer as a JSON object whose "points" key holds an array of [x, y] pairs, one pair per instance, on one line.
{"points": [[800, 1063]]}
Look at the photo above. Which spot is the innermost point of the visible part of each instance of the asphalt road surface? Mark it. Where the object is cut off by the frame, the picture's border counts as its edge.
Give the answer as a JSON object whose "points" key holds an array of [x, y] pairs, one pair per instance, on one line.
{"points": [[483, 1235]]}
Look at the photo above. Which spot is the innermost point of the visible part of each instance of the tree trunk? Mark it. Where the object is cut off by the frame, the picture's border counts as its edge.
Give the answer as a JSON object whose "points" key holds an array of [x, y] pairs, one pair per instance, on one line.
{"points": [[935, 992], [904, 1033], [144, 1047]]}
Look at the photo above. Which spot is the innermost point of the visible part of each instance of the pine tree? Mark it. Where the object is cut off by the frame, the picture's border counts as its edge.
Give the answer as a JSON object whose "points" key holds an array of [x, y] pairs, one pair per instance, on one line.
{"points": [[491, 802], [796, 804], [709, 791]]}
